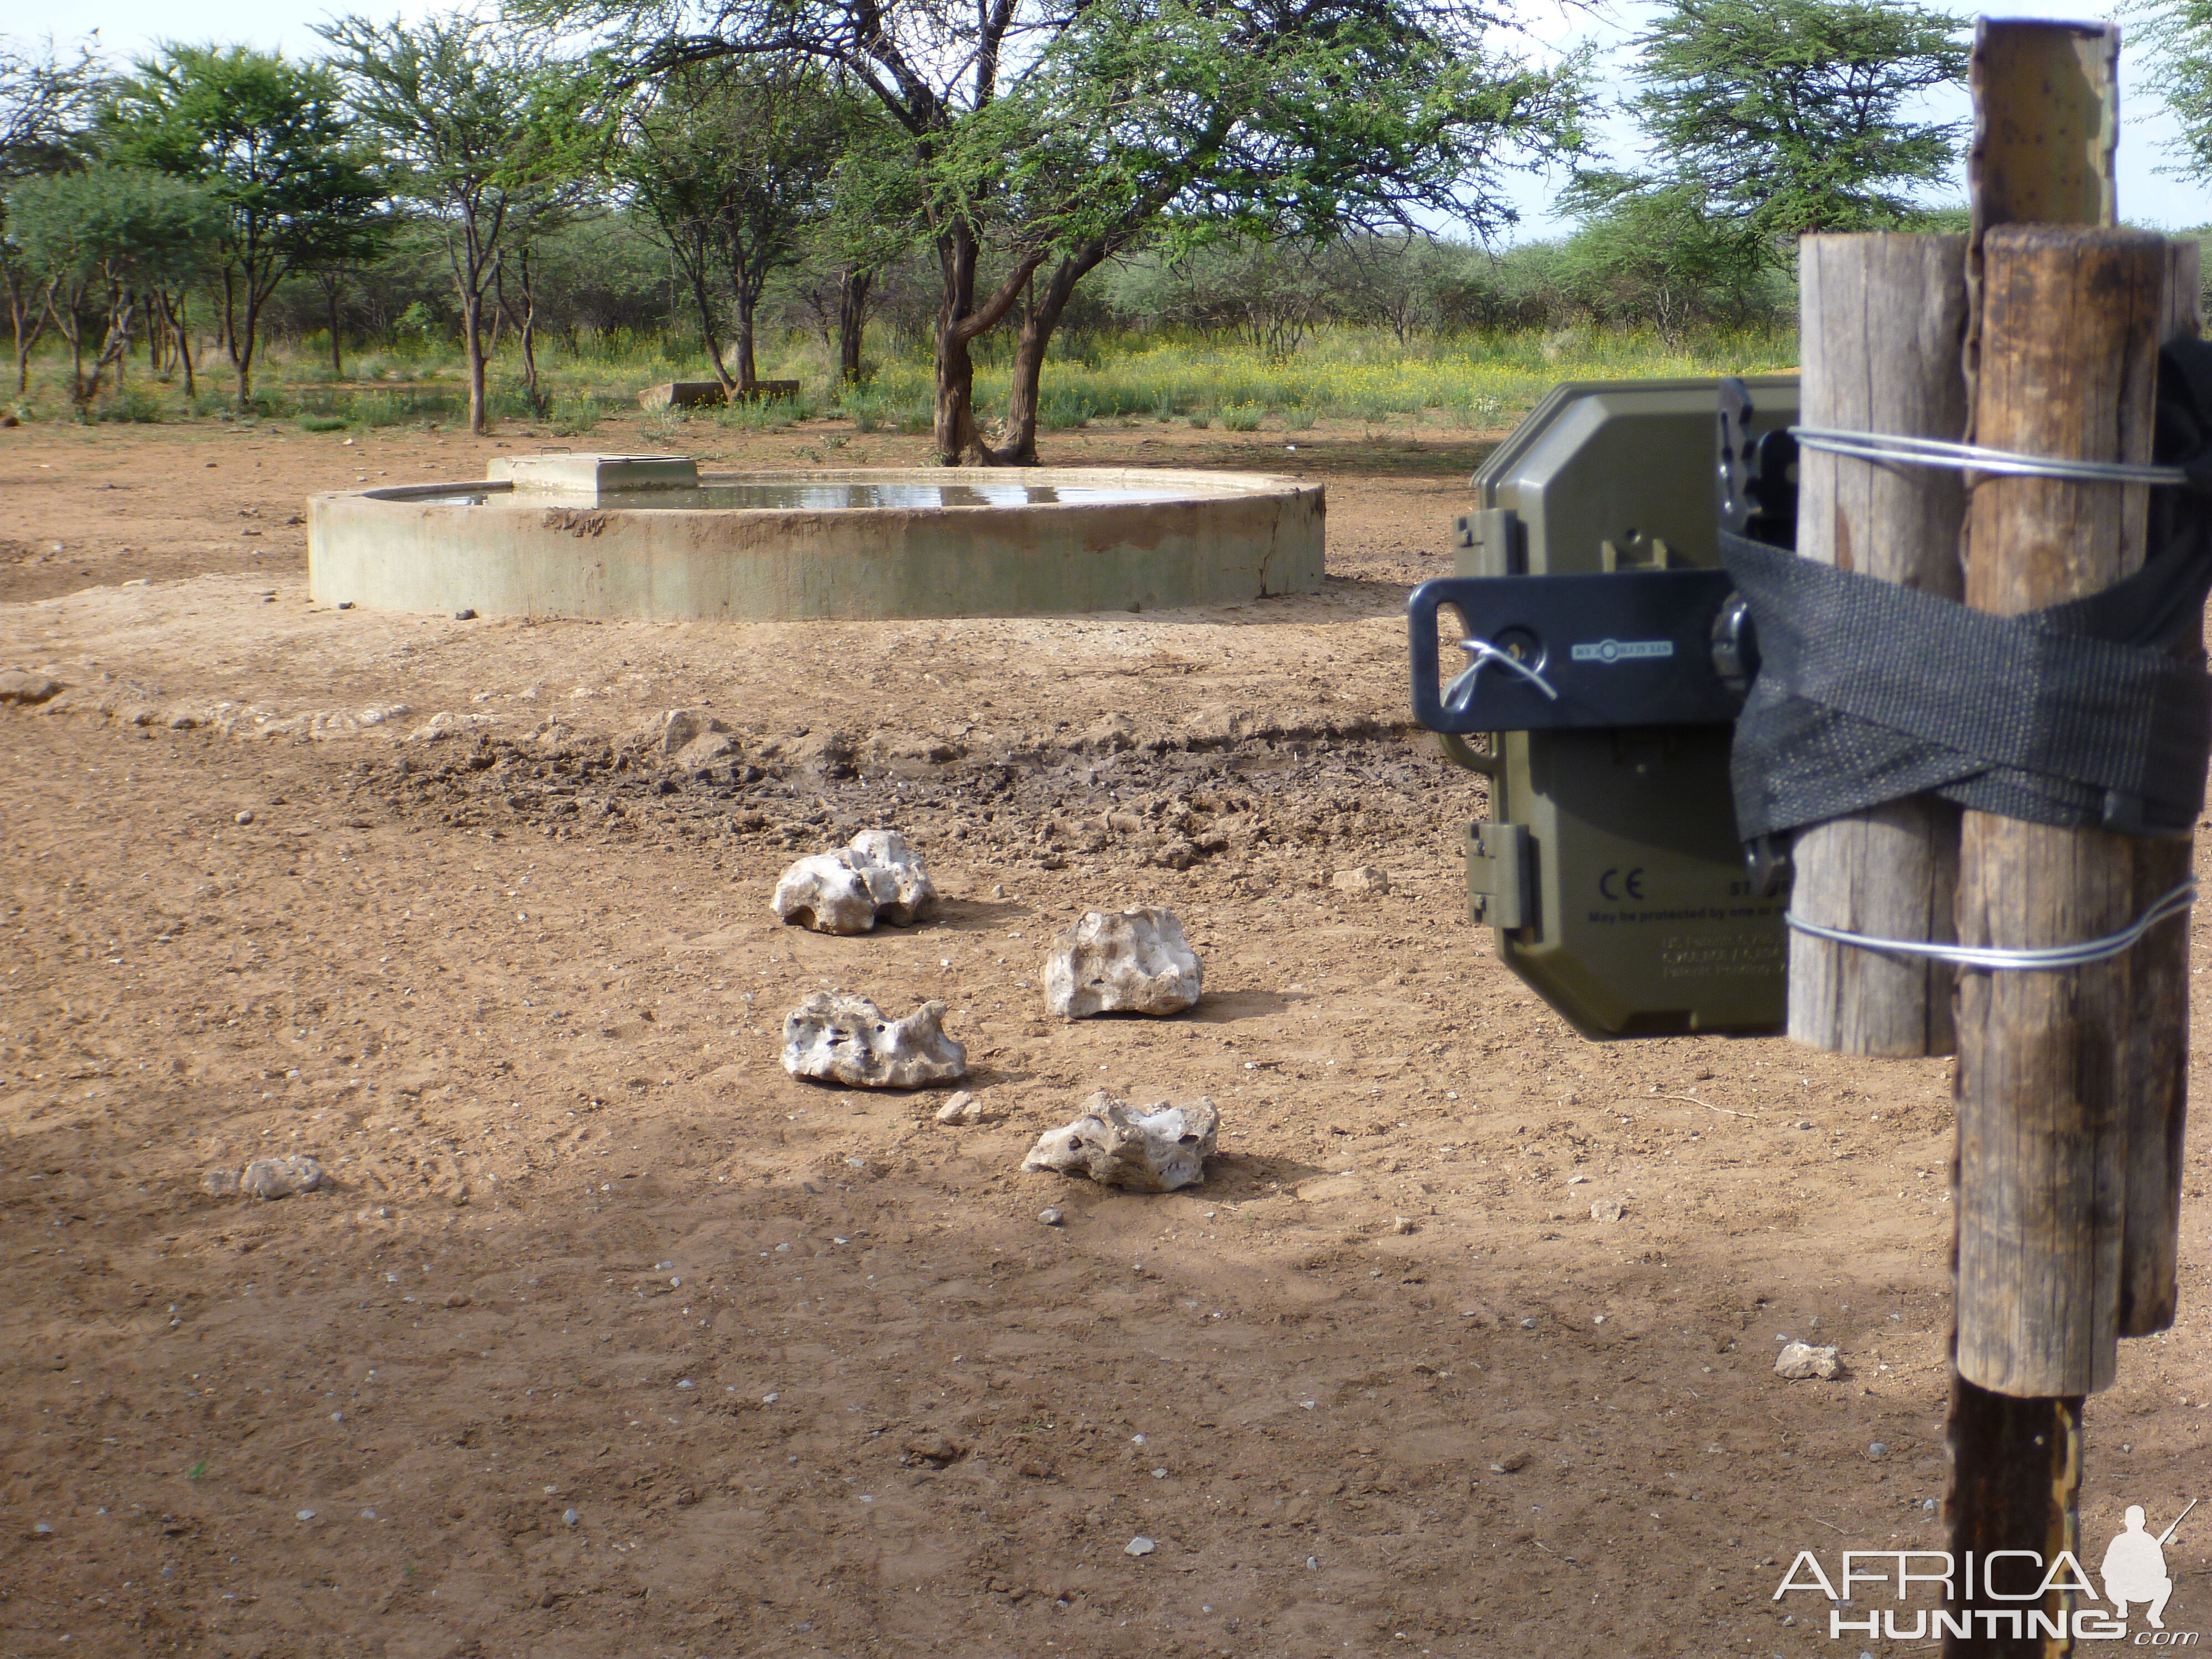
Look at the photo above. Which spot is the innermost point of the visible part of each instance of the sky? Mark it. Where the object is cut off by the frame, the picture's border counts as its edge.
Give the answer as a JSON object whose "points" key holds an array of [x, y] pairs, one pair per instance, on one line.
{"points": [[131, 26]]}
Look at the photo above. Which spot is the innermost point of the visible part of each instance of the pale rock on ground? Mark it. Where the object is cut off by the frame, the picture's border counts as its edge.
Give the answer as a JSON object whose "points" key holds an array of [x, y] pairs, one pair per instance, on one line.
{"points": [[964, 1109], [690, 739], [1148, 1149], [23, 686], [875, 877], [280, 1177], [1607, 1209], [1125, 962], [1365, 880], [447, 724], [849, 1040], [1801, 1362]]}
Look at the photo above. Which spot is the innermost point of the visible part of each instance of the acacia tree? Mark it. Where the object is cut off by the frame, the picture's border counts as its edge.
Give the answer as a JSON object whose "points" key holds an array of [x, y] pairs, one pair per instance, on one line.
{"points": [[1790, 115], [874, 215], [731, 163], [1048, 137], [97, 237], [270, 143], [2181, 72], [479, 132], [1273, 122], [47, 96]]}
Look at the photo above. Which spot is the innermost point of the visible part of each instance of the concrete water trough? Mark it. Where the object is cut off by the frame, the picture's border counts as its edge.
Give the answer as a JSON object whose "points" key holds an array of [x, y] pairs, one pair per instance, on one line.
{"points": [[570, 535]]}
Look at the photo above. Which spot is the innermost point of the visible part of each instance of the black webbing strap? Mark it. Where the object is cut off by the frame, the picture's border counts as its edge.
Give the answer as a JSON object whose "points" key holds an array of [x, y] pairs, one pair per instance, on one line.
{"points": [[2081, 715]]}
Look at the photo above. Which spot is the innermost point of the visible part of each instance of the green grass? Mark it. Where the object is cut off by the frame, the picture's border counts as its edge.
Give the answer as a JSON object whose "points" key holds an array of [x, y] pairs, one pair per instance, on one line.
{"points": [[1361, 374]]}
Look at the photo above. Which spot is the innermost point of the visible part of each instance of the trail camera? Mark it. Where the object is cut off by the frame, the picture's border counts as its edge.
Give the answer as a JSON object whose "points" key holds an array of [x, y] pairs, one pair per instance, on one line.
{"points": [[1591, 634]]}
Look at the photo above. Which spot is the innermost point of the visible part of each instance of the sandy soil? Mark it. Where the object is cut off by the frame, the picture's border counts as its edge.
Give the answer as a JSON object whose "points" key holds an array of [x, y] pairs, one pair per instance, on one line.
{"points": [[613, 1339]]}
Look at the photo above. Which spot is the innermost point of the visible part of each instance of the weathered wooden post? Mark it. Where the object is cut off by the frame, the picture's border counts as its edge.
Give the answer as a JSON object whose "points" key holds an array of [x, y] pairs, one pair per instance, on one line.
{"points": [[1884, 323], [2071, 1082]]}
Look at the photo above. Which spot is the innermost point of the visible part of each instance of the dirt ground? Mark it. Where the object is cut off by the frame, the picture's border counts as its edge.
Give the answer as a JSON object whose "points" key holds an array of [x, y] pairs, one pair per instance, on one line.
{"points": [[612, 1339]]}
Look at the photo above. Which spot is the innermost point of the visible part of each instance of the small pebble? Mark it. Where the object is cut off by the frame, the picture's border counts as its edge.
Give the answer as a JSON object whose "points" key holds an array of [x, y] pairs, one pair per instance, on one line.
{"points": [[1877, 1448], [465, 615], [1159, 1474], [1401, 1224], [42, 1526], [1139, 1545], [1312, 1565], [1051, 1218], [1929, 1506], [246, 817], [569, 1517], [1528, 1324]]}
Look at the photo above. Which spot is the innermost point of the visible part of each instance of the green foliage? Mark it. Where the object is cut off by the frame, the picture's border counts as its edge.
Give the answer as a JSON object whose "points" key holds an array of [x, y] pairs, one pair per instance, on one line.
{"points": [[1790, 114], [130, 404], [2180, 71], [1660, 254], [270, 141], [732, 164], [130, 224]]}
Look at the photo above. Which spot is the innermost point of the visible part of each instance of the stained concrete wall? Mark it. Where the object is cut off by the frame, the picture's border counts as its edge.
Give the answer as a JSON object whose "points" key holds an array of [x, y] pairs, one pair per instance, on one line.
{"points": [[1233, 537]]}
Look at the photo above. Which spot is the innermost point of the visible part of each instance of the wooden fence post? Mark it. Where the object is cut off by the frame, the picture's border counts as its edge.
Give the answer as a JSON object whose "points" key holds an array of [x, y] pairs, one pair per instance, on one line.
{"points": [[2156, 1090], [1884, 326]]}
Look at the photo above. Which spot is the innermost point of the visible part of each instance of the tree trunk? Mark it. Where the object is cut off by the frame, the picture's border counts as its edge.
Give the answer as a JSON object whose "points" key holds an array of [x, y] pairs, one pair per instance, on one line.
{"points": [[29, 325], [748, 277], [853, 287], [696, 270], [1037, 326], [525, 325], [472, 328], [338, 353], [240, 340], [747, 372], [955, 422], [175, 310], [959, 323]]}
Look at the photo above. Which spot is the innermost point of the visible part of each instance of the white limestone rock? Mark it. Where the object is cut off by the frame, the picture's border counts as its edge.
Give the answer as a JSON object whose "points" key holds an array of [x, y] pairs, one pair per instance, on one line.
{"points": [[280, 1177], [849, 1040], [965, 1110], [1131, 962], [1801, 1362], [875, 877], [1140, 1149], [826, 893], [1364, 879]]}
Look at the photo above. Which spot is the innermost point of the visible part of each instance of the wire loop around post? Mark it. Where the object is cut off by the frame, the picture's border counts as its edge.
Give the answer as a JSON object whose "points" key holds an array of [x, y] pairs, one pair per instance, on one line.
{"points": [[1973, 458], [2044, 958]]}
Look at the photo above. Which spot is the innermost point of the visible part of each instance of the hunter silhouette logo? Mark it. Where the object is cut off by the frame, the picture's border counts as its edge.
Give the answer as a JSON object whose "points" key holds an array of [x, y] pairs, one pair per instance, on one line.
{"points": [[2134, 1568]]}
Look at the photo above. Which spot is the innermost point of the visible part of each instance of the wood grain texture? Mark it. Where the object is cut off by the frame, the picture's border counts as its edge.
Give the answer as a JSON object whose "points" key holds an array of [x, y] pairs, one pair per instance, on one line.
{"points": [[2156, 1087], [2071, 323], [1884, 320]]}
